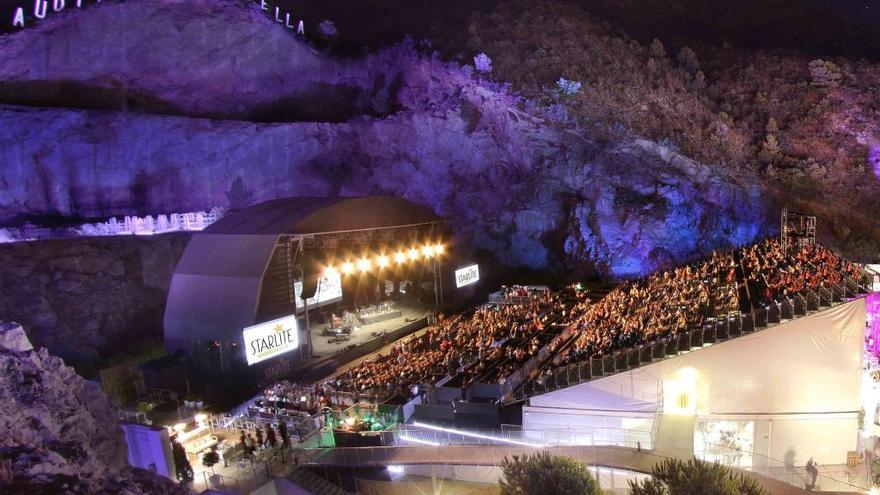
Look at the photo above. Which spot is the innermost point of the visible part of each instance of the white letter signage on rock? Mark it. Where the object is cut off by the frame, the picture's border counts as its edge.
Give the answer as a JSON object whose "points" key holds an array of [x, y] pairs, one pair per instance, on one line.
{"points": [[18, 19], [40, 8], [270, 339]]}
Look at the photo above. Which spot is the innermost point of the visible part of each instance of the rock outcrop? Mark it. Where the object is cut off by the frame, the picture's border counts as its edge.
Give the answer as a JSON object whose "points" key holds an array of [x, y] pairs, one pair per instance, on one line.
{"points": [[61, 434], [515, 183], [13, 338], [92, 297]]}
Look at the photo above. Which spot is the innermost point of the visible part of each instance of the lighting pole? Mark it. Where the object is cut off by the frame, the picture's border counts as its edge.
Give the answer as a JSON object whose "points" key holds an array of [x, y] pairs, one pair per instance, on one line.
{"points": [[305, 300]]}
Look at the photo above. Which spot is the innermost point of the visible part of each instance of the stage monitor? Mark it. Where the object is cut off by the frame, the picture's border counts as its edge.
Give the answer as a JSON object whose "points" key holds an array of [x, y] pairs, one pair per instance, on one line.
{"points": [[329, 291], [270, 339], [467, 275]]}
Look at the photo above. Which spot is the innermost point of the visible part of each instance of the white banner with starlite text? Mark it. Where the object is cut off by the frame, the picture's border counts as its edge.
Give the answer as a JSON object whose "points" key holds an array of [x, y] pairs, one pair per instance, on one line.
{"points": [[270, 339], [467, 275]]}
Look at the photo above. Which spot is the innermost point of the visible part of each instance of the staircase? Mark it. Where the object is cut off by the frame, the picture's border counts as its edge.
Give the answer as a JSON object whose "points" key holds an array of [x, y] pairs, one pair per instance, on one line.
{"points": [[569, 298], [315, 484], [716, 330]]}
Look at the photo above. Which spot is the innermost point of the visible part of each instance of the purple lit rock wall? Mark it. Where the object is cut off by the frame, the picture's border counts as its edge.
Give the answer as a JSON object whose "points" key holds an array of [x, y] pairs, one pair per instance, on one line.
{"points": [[532, 191]]}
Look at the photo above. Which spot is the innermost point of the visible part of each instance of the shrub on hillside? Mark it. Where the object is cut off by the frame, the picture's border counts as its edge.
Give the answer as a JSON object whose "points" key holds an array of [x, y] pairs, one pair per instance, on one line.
{"points": [[825, 74], [568, 88], [483, 63], [546, 474], [695, 477]]}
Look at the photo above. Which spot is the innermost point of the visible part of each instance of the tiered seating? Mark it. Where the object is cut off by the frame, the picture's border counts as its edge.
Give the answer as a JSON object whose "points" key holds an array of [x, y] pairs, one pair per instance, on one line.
{"points": [[487, 345], [738, 290]]}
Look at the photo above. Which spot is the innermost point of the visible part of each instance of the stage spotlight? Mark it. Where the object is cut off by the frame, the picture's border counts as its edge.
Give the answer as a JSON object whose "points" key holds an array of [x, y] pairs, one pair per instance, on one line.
{"points": [[438, 249], [428, 251], [363, 264], [413, 254], [347, 267], [330, 271], [399, 257], [382, 261]]}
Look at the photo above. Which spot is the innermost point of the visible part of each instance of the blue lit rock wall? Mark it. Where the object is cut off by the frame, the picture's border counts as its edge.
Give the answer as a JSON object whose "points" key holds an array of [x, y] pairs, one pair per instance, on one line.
{"points": [[530, 190]]}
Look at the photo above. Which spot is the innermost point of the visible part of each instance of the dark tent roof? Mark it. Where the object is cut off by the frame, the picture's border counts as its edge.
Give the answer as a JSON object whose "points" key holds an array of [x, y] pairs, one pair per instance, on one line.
{"points": [[216, 285], [317, 215]]}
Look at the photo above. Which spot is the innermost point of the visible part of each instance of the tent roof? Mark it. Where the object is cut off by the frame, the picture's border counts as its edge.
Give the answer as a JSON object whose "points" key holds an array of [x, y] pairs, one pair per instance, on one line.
{"points": [[215, 289], [323, 215]]}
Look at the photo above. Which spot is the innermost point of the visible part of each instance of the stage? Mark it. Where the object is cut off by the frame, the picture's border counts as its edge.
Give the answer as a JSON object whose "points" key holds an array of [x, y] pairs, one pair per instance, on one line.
{"points": [[324, 345]]}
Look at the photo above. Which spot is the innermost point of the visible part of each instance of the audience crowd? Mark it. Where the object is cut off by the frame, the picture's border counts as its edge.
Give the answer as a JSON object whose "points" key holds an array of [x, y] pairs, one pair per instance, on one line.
{"points": [[670, 302], [494, 335], [498, 339]]}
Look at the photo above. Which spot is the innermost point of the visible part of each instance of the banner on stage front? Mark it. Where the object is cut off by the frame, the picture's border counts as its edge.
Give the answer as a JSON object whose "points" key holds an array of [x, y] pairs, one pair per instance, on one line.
{"points": [[467, 275], [272, 338]]}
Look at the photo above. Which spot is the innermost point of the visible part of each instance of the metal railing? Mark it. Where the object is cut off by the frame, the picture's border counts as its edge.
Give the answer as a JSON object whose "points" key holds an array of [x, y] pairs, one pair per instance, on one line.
{"points": [[719, 329], [298, 429], [620, 455], [595, 446], [247, 478], [410, 435], [776, 469]]}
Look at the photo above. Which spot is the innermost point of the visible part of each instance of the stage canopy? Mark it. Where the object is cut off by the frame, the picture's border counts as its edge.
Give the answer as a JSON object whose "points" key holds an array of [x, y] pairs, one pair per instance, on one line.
{"points": [[238, 271]]}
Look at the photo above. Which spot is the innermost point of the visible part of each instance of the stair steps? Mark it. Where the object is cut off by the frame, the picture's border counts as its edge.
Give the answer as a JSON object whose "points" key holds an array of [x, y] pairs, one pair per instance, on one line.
{"points": [[315, 484]]}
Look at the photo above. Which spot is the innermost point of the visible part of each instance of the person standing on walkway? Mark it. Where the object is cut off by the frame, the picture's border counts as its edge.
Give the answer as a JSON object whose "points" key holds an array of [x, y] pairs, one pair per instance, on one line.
{"points": [[813, 471]]}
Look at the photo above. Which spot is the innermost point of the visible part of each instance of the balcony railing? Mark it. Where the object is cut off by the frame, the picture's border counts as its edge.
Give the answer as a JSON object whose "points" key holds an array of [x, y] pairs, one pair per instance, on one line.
{"points": [[716, 330]]}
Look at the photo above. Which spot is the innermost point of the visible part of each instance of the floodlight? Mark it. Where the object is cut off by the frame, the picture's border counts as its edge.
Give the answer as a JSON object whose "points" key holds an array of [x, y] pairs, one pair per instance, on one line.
{"points": [[363, 264]]}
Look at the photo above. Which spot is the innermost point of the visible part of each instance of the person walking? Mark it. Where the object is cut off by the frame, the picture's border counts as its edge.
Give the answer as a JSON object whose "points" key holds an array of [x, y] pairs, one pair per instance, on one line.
{"points": [[813, 471]]}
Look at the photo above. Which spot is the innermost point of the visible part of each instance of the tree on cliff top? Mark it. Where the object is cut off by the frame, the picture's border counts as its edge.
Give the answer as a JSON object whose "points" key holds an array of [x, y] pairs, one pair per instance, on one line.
{"points": [[239, 195], [546, 474]]}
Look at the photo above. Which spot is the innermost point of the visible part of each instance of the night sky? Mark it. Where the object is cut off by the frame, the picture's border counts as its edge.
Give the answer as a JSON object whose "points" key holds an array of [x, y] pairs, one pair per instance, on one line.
{"points": [[816, 27]]}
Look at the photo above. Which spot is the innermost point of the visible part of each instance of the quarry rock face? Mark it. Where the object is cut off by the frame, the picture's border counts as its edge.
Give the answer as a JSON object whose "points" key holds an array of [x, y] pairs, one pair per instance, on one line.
{"points": [[396, 122], [91, 297], [198, 57], [61, 433]]}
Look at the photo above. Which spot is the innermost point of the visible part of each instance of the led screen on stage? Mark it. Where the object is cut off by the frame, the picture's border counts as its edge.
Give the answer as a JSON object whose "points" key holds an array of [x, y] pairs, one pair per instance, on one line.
{"points": [[467, 275], [329, 291], [272, 338]]}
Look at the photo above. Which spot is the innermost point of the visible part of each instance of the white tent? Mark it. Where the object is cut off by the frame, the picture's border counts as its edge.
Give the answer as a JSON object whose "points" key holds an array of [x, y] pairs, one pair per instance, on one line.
{"points": [[793, 388]]}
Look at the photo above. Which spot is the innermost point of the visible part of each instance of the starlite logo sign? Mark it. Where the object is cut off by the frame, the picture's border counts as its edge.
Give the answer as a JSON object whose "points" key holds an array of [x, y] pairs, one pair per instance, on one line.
{"points": [[467, 275], [272, 338], [28, 12]]}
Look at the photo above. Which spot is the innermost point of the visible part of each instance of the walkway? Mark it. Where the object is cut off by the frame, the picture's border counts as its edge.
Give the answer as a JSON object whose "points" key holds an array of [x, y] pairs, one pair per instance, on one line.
{"points": [[492, 455]]}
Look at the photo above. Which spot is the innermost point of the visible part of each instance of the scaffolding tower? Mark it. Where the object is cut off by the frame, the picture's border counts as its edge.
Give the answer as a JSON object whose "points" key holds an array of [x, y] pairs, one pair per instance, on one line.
{"points": [[796, 230]]}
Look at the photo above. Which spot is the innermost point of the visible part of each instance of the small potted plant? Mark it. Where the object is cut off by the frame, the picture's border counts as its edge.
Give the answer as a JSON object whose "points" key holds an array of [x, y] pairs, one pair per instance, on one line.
{"points": [[210, 458]]}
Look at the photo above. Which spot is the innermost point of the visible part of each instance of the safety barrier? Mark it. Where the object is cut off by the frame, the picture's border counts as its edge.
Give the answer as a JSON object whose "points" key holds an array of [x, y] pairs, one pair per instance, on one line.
{"points": [[716, 330]]}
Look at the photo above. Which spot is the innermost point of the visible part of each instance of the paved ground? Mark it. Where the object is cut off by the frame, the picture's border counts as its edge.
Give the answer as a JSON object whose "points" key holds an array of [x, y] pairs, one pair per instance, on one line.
{"points": [[413, 485], [491, 455]]}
